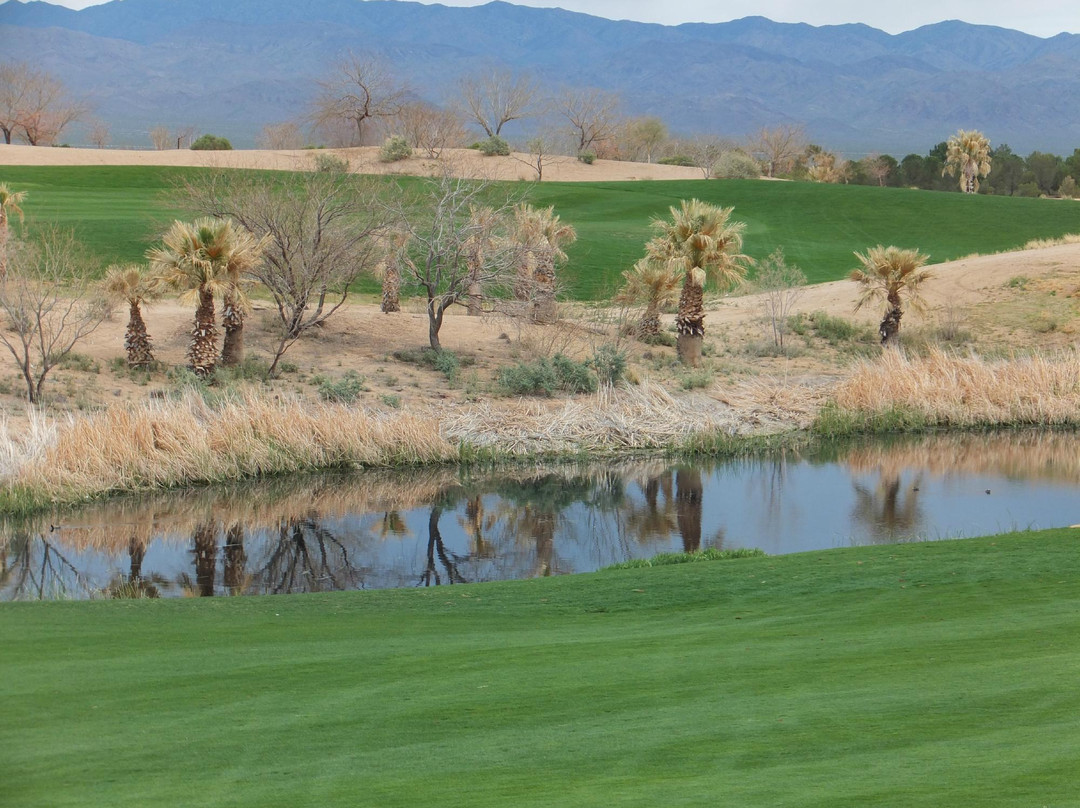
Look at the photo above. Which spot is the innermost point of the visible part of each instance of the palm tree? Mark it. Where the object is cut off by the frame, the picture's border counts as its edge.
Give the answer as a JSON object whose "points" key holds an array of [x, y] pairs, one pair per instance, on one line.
{"points": [[388, 270], [699, 242], [481, 239], [887, 273], [9, 203], [657, 283], [202, 259], [541, 237], [131, 284], [968, 154]]}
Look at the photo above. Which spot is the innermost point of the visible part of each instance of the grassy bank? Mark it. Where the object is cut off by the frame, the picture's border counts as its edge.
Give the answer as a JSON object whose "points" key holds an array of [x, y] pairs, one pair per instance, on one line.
{"points": [[119, 211], [916, 675]]}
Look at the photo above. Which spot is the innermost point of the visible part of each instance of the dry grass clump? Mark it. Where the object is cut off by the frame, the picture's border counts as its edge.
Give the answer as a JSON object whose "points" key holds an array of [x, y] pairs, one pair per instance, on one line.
{"points": [[19, 445], [967, 391], [165, 444], [629, 417], [159, 445], [1042, 243]]}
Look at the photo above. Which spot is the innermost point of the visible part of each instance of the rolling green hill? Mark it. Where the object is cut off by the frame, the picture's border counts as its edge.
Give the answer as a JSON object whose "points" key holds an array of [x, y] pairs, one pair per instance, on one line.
{"points": [[918, 675], [118, 211]]}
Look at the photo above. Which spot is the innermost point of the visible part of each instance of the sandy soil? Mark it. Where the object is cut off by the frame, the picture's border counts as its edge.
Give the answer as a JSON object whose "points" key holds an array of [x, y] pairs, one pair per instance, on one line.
{"points": [[363, 160], [1004, 302]]}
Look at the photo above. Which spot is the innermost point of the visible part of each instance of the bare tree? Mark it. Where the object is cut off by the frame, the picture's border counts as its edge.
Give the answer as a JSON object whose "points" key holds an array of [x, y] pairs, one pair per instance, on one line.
{"points": [[496, 97], [705, 151], [592, 114], [13, 81], [160, 138], [359, 89], [441, 225], [780, 285], [184, 137], [428, 128], [34, 105], [877, 167], [49, 303], [320, 229], [98, 133], [541, 152], [778, 147], [285, 135]]}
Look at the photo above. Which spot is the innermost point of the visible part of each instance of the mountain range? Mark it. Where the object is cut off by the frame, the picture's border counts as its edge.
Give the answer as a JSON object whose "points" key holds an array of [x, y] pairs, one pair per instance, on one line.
{"points": [[230, 67]]}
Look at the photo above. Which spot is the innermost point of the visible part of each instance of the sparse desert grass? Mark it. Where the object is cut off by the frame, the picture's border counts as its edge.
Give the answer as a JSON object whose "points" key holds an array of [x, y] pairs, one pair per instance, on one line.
{"points": [[940, 389]]}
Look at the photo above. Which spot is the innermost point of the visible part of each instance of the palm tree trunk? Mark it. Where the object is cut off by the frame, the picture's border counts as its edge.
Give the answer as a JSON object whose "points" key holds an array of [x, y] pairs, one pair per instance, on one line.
{"points": [[474, 305], [235, 559], [650, 321], [136, 340], [203, 348], [545, 309], [3, 243], [689, 495], [391, 289], [205, 551], [690, 323], [232, 347], [890, 324]]}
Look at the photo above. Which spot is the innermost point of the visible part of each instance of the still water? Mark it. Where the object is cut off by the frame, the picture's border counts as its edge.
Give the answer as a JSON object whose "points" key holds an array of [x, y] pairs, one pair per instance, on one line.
{"points": [[445, 526]]}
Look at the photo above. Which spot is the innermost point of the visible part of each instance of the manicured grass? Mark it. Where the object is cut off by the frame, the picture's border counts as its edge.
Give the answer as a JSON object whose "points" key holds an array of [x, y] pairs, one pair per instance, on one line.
{"points": [[915, 675], [119, 211]]}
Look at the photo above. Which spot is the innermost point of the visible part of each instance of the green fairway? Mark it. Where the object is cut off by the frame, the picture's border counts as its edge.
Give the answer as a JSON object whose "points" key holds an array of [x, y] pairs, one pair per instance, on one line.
{"points": [[939, 674], [118, 211]]}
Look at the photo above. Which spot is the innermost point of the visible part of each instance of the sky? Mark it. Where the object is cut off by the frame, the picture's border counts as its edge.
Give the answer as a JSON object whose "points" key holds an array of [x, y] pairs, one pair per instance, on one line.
{"points": [[1042, 18]]}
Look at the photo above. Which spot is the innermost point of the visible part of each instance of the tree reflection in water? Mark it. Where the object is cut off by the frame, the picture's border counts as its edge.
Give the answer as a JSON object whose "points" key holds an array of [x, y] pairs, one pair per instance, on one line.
{"points": [[436, 549], [689, 494], [307, 557], [889, 508]]}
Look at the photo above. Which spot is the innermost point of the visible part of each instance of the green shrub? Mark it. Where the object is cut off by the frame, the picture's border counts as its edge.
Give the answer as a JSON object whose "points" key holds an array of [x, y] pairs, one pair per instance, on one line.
{"points": [[736, 165], [574, 377], [253, 368], [446, 362], [609, 362], [695, 380], [529, 378], [543, 377], [494, 146], [677, 160], [1029, 189], [394, 149], [331, 164], [80, 362], [390, 400], [587, 157], [344, 390], [211, 143]]}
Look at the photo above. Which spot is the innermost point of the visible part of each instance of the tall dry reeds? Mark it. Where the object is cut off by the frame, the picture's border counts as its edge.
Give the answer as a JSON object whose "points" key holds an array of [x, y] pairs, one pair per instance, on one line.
{"points": [[160, 445], [967, 391], [165, 444]]}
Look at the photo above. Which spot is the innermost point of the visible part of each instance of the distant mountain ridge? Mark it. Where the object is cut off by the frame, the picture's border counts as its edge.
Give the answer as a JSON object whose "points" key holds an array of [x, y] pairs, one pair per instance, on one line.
{"points": [[231, 67]]}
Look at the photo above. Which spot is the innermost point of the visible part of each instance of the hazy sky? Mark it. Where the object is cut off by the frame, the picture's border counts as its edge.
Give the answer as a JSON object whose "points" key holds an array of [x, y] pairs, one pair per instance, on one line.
{"points": [[1040, 17]]}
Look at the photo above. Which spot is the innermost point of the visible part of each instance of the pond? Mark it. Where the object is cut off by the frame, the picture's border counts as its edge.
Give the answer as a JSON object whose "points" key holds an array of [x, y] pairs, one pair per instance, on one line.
{"points": [[445, 526]]}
